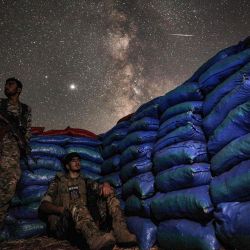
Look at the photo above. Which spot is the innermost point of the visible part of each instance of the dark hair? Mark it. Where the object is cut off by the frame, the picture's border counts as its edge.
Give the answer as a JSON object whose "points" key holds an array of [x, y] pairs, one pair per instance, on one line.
{"points": [[18, 83], [69, 157]]}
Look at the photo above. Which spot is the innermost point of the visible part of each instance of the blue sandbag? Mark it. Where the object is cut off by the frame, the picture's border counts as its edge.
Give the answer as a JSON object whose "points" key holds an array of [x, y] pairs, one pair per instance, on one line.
{"points": [[85, 153], [146, 123], [232, 154], [138, 137], [15, 201], [218, 57], [236, 97], [224, 88], [91, 166], [193, 203], [119, 125], [5, 233], [90, 175], [183, 93], [184, 133], [141, 185], [118, 192], [136, 151], [138, 207], [38, 177], [29, 211], [111, 149], [50, 139], [214, 75], [151, 111], [178, 121], [24, 229], [187, 235], [232, 224], [113, 179], [184, 176], [31, 194], [117, 134], [236, 124], [139, 166], [84, 141], [156, 101], [193, 106], [187, 152], [36, 162], [233, 185], [145, 231], [47, 149], [111, 165]]}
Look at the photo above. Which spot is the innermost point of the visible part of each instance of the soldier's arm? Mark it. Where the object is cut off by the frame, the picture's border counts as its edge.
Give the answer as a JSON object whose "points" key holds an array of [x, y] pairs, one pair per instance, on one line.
{"points": [[29, 121], [47, 205], [103, 189]]}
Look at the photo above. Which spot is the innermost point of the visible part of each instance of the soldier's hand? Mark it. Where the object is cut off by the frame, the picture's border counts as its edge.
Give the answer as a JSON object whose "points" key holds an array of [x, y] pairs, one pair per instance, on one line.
{"points": [[106, 189]]}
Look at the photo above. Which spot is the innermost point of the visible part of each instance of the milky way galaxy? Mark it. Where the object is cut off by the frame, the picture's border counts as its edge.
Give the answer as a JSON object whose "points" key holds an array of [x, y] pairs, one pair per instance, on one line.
{"points": [[88, 63]]}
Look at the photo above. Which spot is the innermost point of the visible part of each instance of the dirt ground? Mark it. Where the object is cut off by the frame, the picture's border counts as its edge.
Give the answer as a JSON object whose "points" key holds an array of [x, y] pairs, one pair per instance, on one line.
{"points": [[46, 243]]}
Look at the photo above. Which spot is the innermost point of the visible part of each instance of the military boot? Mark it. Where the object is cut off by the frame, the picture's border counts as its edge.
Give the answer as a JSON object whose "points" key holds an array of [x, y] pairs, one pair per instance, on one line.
{"points": [[122, 235], [85, 224]]}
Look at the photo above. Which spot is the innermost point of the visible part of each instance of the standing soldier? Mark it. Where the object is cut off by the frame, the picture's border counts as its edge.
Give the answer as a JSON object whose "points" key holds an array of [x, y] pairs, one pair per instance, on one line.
{"points": [[15, 132]]}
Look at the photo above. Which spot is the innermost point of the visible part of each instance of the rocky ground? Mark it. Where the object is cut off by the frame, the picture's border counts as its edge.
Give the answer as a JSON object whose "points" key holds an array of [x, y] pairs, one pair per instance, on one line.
{"points": [[46, 243]]}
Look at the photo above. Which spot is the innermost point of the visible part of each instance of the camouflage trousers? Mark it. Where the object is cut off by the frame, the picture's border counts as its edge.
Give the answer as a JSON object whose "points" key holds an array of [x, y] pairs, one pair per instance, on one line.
{"points": [[83, 221], [10, 172]]}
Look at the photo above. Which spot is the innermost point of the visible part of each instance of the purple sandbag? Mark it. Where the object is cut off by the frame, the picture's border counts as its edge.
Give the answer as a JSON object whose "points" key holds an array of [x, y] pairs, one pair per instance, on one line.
{"points": [[231, 155], [222, 69], [136, 151], [183, 176], [224, 88], [187, 235], [145, 231], [136, 138], [232, 224], [183, 107], [145, 124], [141, 185], [184, 133], [187, 152], [183, 93], [179, 121], [237, 96], [233, 185], [236, 124], [193, 203]]}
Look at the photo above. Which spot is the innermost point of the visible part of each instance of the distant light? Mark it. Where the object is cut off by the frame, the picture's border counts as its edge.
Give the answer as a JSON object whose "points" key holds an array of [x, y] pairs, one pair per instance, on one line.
{"points": [[72, 86], [46, 77]]}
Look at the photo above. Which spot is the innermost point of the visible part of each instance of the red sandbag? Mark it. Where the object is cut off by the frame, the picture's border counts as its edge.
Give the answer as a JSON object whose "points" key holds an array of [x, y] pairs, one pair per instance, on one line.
{"points": [[126, 118], [37, 130], [72, 132]]}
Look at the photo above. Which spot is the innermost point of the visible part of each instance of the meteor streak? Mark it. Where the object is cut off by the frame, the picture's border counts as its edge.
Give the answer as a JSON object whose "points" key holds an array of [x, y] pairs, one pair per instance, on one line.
{"points": [[185, 35]]}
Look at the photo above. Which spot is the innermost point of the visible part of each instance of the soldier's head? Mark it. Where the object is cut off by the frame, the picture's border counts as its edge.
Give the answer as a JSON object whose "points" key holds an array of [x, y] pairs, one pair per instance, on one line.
{"points": [[72, 162], [13, 87]]}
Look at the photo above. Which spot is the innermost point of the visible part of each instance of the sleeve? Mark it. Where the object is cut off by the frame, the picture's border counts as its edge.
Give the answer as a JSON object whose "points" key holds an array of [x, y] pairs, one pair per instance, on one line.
{"points": [[93, 186], [28, 130], [52, 192]]}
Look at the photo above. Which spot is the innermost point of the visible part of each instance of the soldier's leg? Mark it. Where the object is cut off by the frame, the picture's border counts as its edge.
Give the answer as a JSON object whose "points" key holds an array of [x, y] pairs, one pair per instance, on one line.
{"points": [[121, 232], [85, 224], [10, 173]]}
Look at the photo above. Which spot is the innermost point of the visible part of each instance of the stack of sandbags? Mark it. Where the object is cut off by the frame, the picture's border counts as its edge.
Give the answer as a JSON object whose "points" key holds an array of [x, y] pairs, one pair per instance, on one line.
{"points": [[226, 123], [47, 151], [110, 168], [182, 173], [136, 173]]}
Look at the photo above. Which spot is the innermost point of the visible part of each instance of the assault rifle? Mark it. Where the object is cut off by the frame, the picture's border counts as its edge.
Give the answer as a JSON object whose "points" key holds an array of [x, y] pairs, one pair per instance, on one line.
{"points": [[12, 126]]}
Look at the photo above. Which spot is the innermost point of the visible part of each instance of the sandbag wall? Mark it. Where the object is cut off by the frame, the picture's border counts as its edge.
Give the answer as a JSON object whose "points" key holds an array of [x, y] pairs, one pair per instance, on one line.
{"points": [[226, 122], [47, 152]]}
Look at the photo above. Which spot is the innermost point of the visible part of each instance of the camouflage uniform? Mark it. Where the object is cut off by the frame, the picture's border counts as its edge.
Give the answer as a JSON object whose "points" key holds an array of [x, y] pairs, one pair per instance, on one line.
{"points": [[88, 210], [10, 155]]}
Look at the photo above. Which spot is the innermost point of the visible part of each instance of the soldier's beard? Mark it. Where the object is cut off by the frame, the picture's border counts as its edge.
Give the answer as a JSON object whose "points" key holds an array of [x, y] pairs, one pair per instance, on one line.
{"points": [[9, 94]]}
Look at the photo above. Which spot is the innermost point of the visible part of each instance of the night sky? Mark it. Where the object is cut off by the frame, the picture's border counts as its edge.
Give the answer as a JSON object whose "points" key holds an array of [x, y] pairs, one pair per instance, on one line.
{"points": [[88, 63]]}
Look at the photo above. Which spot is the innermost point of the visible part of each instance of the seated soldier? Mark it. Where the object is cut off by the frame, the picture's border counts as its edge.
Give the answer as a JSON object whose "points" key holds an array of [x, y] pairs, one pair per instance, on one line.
{"points": [[66, 203]]}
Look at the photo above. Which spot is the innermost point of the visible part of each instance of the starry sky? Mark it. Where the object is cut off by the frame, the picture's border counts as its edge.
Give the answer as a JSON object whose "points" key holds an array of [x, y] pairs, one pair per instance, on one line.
{"points": [[88, 63]]}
